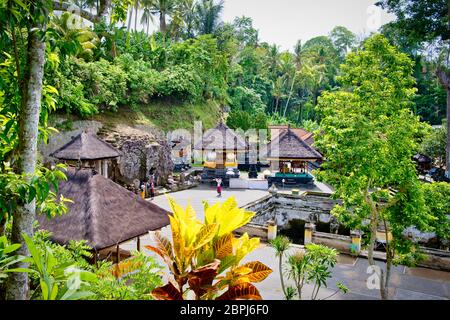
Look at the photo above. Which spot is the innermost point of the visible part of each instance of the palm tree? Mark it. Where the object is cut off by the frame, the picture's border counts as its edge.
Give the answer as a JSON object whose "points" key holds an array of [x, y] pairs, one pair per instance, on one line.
{"points": [[208, 14], [130, 16], [298, 52], [298, 56], [273, 59], [147, 16], [289, 71], [136, 8], [163, 8], [277, 91], [188, 9]]}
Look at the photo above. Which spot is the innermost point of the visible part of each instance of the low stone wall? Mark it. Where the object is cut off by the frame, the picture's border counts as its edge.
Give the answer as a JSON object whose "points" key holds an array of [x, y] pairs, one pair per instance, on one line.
{"points": [[340, 243], [436, 259]]}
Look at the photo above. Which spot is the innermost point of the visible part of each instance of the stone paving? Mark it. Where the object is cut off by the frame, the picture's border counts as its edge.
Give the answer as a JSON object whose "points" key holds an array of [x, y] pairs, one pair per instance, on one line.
{"points": [[406, 283]]}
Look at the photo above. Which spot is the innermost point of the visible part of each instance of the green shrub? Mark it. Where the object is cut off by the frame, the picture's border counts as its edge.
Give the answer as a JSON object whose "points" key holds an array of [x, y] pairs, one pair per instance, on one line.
{"points": [[105, 83], [72, 98], [246, 99], [181, 82], [142, 80], [135, 285]]}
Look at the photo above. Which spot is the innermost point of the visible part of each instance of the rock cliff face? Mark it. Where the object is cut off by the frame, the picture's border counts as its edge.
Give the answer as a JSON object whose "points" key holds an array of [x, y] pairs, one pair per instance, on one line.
{"points": [[142, 152], [142, 149]]}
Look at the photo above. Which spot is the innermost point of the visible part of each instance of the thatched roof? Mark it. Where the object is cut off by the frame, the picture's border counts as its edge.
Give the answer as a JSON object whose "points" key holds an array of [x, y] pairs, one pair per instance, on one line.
{"points": [[221, 138], [289, 145], [86, 146], [303, 134], [180, 144], [103, 213]]}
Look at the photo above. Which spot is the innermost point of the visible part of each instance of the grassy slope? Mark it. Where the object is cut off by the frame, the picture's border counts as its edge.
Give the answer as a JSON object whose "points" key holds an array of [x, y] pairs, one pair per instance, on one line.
{"points": [[166, 116], [163, 115]]}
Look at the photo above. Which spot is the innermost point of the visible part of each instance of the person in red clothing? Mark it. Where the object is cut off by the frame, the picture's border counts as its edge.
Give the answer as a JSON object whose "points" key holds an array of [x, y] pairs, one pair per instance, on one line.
{"points": [[219, 187], [152, 190]]}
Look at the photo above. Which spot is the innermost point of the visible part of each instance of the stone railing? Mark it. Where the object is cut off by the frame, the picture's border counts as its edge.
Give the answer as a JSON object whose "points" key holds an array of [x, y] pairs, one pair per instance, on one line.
{"points": [[339, 242], [254, 230]]}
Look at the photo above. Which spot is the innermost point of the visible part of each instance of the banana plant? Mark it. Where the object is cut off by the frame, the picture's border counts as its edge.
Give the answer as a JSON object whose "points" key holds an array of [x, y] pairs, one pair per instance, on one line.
{"points": [[7, 258], [206, 255], [57, 281]]}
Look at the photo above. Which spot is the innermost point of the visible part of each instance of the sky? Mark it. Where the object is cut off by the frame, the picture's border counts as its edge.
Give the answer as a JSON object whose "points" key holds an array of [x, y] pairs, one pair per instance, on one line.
{"points": [[283, 22]]}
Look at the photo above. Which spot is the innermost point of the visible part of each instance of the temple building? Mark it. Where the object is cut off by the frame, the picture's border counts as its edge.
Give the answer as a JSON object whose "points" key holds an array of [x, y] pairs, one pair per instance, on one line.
{"points": [[86, 150], [220, 147], [303, 134], [291, 157]]}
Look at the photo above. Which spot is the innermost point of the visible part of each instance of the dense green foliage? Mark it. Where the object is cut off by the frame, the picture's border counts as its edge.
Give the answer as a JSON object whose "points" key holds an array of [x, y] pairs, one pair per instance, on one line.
{"points": [[101, 283], [196, 58], [434, 143], [438, 196]]}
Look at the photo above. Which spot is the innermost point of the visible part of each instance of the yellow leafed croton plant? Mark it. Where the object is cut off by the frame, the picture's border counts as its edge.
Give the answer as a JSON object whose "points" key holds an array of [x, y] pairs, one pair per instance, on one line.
{"points": [[205, 257]]}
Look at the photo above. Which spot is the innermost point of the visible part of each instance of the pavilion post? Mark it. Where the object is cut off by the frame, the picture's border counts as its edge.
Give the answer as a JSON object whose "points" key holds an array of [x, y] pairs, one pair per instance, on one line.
{"points": [[105, 168], [118, 253], [138, 244], [309, 230]]}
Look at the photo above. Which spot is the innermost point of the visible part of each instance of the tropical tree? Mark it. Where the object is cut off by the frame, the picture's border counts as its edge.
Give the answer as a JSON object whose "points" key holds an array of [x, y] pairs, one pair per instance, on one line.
{"points": [[71, 39], [163, 8], [278, 92], [189, 15], [208, 15], [368, 136], [147, 16], [422, 23], [245, 33], [312, 266], [343, 39], [206, 255], [438, 198], [434, 144], [32, 19]]}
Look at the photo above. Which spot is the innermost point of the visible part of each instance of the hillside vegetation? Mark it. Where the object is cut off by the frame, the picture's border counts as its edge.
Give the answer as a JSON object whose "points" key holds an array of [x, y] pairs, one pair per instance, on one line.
{"points": [[164, 116]]}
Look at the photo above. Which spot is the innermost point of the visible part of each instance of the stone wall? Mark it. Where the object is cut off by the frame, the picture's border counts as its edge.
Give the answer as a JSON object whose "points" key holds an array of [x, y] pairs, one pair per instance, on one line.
{"points": [[283, 208], [253, 230], [339, 242], [140, 152], [141, 149]]}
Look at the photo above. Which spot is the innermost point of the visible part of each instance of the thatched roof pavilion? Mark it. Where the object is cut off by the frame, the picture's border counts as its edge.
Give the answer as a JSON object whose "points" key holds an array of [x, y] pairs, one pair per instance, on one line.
{"points": [[221, 138], [103, 213], [289, 146], [85, 147]]}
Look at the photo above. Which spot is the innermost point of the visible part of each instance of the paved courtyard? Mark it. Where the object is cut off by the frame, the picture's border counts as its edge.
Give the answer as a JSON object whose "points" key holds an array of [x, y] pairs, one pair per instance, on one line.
{"points": [[407, 283]]}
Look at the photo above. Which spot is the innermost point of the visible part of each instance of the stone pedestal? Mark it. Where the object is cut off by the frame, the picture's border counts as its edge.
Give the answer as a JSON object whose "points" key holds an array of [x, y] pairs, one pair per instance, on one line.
{"points": [[356, 241], [271, 230], [309, 229]]}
